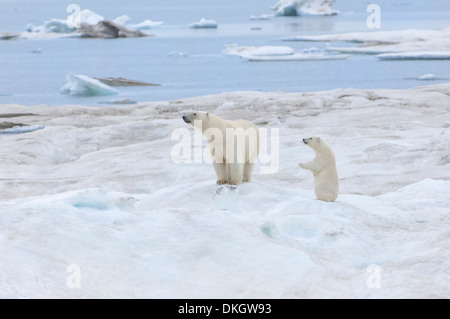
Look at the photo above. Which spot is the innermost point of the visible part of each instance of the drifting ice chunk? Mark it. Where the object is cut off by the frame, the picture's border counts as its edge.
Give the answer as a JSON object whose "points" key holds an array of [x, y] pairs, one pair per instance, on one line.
{"points": [[82, 85], [304, 7], [84, 17], [204, 24], [51, 26], [68, 25], [145, 25], [429, 77], [233, 49], [122, 20], [261, 17]]}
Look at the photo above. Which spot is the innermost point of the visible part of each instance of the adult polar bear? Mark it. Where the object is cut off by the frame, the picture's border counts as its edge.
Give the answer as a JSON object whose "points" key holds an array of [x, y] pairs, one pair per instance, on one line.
{"points": [[234, 146], [323, 166]]}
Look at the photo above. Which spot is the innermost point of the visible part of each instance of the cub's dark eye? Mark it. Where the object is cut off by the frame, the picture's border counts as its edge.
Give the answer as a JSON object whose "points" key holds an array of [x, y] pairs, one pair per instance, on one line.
{"points": [[195, 114]]}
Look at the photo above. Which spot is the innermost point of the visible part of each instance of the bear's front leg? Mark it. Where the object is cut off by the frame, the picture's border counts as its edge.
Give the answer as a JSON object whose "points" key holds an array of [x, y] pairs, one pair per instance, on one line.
{"points": [[237, 173], [310, 166], [221, 173]]}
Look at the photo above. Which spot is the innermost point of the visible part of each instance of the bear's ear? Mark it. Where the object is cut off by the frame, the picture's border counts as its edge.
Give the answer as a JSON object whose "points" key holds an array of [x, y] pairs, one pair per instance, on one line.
{"points": [[207, 114], [318, 140]]}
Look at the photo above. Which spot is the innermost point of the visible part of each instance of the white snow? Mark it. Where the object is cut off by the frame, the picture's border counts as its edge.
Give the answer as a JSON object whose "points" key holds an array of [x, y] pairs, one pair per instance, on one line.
{"points": [[204, 24], [97, 191], [83, 85], [304, 7]]}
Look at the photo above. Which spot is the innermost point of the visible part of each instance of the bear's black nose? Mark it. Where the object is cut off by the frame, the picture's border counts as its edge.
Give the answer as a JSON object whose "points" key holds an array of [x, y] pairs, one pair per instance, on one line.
{"points": [[186, 119]]}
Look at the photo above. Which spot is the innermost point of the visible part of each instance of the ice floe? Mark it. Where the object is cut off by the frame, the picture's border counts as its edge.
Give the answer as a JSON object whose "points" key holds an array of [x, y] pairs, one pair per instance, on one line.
{"points": [[145, 25], [421, 43], [430, 77], [261, 17], [204, 24], [234, 49], [88, 24], [82, 85], [424, 55], [279, 53], [296, 57], [68, 25]]}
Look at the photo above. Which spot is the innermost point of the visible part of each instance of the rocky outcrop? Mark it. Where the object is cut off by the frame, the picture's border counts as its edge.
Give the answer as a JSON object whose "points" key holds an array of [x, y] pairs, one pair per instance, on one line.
{"points": [[8, 36], [124, 82], [8, 125], [109, 30]]}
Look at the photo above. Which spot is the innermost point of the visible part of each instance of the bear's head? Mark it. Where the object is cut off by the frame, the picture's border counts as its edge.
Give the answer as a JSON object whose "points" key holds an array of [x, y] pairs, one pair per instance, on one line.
{"points": [[198, 119], [196, 116], [314, 142]]}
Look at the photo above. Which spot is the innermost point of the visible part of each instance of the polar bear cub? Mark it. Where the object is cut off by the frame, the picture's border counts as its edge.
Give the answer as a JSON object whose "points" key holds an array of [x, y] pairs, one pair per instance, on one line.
{"points": [[323, 166], [234, 146]]}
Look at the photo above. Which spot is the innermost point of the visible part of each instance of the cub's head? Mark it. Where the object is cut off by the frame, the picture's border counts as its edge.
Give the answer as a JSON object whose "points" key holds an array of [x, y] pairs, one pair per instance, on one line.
{"points": [[314, 142], [196, 116]]}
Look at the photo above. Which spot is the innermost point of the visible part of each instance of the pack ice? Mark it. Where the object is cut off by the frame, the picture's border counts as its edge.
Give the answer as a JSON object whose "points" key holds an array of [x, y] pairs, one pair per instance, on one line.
{"points": [[94, 206]]}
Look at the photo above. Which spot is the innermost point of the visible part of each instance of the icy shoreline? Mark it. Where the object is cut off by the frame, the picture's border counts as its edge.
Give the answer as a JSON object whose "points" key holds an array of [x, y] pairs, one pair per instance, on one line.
{"points": [[97, 188]]}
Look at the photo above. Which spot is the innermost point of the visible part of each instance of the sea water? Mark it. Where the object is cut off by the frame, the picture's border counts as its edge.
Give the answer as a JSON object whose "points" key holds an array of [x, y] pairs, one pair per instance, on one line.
{"points": [[189, 62]]}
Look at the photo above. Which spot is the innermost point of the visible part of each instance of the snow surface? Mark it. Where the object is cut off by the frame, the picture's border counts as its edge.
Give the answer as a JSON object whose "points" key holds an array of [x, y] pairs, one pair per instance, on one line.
{"points": [[304, 7], [204, 24], [83, 85], [96, 190]]}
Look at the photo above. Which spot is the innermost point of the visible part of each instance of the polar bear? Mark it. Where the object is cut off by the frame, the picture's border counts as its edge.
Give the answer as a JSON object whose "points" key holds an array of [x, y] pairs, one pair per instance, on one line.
{"points": [[234, 146], [323, 166]]}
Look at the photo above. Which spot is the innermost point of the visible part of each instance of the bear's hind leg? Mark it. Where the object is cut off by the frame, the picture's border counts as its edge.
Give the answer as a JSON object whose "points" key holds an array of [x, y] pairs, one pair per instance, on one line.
{"points": [[248, 172]]}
